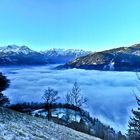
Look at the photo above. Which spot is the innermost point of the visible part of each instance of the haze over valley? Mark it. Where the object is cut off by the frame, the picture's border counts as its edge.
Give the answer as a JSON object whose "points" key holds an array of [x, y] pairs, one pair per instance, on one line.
{"points": [[110, 94]]}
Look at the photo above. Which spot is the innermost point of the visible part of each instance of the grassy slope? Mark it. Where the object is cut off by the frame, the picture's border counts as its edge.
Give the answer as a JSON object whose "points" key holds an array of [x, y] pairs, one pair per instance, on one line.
{"points": [[18, 126]]}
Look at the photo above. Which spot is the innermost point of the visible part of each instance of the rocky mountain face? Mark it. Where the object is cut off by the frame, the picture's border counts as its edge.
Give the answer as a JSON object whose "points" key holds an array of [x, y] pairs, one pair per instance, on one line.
{"points": [[18, 126], [22, 55], [118, 59]]}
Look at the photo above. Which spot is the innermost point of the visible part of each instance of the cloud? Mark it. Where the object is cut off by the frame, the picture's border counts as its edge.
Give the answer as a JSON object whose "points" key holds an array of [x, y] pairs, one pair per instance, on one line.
{"points": [[110, 96]]}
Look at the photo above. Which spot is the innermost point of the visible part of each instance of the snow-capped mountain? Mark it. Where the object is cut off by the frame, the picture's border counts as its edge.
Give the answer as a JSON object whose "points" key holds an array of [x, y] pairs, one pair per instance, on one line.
{"points": [[65, 52], [119, 59], [22, 55], [16, 49], [63, 55]]}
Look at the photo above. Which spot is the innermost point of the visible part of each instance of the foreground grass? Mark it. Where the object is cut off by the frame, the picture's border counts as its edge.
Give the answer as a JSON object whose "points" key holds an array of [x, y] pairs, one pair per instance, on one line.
{"points": [[19, 126]]}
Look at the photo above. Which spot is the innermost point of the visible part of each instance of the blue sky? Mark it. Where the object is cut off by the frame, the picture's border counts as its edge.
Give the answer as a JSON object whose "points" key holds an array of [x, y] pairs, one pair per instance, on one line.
{"points": [[87, 24]]}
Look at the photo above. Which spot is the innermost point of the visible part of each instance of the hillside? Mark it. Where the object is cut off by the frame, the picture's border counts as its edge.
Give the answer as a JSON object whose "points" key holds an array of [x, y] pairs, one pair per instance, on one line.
{"points": [[118, 59], [15, 126]]}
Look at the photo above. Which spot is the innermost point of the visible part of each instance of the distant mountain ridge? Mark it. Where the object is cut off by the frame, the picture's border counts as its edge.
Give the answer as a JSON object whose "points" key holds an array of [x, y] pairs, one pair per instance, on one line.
{"points": [[23, 55], [118, 59], [63, 55]]}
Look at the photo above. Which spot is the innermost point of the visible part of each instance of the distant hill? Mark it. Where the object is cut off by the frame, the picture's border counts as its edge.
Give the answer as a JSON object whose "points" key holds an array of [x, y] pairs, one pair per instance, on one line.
{"points": [[18, 126], [22, 55], [118, 59]]}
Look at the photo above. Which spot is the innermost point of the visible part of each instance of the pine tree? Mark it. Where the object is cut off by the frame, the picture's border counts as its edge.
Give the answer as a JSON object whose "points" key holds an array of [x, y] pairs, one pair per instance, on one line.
{"points": [[134, 123], [4, 83]]}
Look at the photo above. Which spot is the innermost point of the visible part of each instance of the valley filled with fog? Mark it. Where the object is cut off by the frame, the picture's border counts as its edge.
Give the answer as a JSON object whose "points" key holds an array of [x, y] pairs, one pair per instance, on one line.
{"points": [[110, 94]]}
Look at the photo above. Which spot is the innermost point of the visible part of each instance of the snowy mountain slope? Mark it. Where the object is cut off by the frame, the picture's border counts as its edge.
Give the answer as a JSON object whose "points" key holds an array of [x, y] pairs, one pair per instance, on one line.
{"points": [[119, 59], [16, 49], [22, 55], [18, 126]]}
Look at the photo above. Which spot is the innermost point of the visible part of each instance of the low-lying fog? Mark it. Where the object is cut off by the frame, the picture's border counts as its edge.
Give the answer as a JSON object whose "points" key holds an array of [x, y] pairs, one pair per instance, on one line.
{"points": [[110, 94]]}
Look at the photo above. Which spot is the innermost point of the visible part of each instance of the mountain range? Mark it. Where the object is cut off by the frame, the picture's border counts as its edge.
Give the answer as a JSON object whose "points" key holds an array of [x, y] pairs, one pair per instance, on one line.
{"points": [[118, 59], [23, 55]]}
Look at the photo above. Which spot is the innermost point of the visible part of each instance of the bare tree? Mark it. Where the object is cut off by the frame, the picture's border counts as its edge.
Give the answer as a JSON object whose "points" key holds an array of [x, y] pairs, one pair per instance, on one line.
{"points": [[50, 97], [68, 98], [75, 98]]}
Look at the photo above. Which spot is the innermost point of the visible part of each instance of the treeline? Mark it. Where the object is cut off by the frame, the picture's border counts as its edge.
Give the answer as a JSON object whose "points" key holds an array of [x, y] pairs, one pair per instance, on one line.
{"points": [[28, 108], [87, 124]]}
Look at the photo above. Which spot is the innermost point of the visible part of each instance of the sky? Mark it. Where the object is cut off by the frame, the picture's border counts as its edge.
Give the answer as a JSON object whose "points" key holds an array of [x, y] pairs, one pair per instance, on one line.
{"points": [[81, 24]]}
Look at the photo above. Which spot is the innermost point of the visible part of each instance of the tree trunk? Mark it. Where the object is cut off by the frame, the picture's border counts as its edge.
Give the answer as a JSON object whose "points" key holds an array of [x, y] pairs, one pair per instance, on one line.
{"points": [[49, 113], [48, 108], [75, 115]]}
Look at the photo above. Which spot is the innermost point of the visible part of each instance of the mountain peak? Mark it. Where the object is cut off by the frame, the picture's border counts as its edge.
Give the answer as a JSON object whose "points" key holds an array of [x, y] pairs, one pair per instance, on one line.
{"points": [[15, 49], [65, 52]]}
